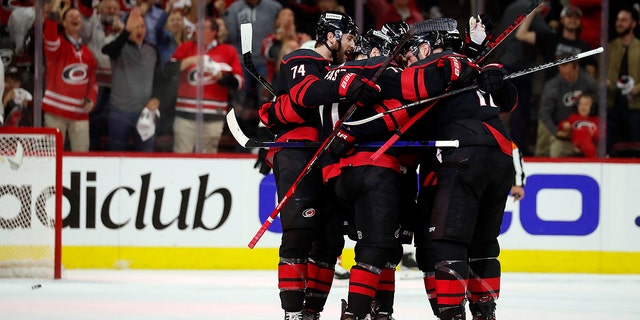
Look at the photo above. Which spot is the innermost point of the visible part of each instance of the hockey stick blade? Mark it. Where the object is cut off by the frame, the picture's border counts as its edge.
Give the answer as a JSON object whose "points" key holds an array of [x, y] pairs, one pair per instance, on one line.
{"points": [[436, 24], [472, 87], [234, 128], [246, 35]]}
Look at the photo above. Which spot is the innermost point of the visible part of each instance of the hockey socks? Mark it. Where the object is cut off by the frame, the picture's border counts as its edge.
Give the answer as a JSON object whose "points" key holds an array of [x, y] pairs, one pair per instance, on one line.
{"points": [[319, 281], [362, 288], [292, 275], [430, 287], [451, 285], [386, 289]]}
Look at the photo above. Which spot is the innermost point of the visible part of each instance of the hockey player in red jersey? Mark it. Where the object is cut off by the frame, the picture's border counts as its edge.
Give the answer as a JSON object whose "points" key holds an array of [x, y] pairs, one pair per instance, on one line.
{"points": [[310, 245], [71, 88]]}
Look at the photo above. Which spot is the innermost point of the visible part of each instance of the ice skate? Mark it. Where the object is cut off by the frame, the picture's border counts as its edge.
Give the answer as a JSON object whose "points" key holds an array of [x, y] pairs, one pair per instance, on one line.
{"points": [[452, 313], [483, 309], [408, 262], [310, 315], [346, 315], [384, 316], [297, 315]]}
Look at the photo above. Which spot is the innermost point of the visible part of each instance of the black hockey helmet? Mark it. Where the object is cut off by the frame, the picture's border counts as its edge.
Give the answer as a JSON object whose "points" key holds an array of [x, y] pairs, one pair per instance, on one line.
{"points": [[434, 39], [379, 40], [336, 22], [453, 41], [363, 46], [395, 30]]}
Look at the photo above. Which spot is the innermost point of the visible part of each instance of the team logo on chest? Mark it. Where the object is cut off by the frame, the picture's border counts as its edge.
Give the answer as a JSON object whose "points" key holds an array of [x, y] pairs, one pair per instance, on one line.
{"points": [[308, 213], [207, 77], [75, 74]]}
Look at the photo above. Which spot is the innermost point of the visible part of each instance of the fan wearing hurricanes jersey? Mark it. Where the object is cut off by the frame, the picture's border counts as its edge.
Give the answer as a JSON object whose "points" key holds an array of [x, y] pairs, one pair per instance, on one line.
{"points": [[222, 71], [310, 243], [71, 87]]}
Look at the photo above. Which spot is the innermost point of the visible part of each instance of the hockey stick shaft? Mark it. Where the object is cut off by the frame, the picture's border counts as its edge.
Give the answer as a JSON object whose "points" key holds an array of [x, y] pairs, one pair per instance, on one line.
{"points": [[373, 144], [246, 36], [507, 31], [473, 87], [246, 142], [483, 55], [327, 142]]}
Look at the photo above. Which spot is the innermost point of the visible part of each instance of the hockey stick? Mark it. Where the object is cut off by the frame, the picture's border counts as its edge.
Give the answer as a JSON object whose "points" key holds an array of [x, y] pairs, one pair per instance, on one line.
{"points": [[422, 26], [246, 142], [507, 31], [492, 45], [473, 87], [246, 36]]}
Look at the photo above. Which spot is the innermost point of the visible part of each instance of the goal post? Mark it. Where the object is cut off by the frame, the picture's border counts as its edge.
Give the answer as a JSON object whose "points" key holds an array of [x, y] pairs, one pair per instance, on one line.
{"points": [[30, 202]]}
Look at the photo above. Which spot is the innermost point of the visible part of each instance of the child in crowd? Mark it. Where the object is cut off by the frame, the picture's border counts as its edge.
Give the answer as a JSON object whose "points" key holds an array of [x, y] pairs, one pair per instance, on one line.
{"points": [[582, 127]]}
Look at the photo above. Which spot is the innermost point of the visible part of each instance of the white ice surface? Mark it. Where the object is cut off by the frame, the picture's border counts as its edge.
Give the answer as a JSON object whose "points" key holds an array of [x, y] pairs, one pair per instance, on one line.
{"points": [[252, 295]]}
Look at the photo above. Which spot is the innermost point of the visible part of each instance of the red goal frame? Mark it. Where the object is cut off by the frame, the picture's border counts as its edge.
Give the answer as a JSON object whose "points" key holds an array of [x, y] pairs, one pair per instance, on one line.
{"points": [[57, 269]]}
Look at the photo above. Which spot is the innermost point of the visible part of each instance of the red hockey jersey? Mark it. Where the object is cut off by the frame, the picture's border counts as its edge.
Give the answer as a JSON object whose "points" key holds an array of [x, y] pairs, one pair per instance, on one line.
{"points": [[215, 96], [71, 75]]}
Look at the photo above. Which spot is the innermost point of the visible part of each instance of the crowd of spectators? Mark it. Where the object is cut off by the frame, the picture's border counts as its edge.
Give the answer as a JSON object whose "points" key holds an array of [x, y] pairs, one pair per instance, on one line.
{"points": [[124, 75]]}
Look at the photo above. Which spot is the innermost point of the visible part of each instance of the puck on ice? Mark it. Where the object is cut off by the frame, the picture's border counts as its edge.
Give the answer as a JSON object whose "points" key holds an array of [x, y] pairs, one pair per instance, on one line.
{"points": [[36, 286]]}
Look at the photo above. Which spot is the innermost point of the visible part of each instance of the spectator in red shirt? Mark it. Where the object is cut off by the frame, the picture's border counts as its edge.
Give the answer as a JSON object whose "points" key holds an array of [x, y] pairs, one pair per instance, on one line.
{"points": [[582, 127]]}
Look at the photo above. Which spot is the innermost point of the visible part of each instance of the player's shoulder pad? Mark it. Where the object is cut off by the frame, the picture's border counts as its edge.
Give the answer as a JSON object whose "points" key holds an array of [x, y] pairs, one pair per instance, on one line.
{"points": [[302, 54]]}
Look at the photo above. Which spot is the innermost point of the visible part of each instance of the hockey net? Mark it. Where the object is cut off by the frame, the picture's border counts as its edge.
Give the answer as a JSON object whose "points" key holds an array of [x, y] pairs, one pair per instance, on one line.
{"points": [[30, 202]]}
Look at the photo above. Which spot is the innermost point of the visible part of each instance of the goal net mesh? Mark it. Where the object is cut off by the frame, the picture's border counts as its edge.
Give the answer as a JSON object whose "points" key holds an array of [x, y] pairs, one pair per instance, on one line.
{"points": [[29, 206]]}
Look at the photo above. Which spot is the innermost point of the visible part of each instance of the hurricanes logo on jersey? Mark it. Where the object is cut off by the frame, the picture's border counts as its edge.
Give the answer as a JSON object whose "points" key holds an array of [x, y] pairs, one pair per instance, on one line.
{"points": [[207, 77], [75, 74], [585, 124], [570, 99], [308, 213]]}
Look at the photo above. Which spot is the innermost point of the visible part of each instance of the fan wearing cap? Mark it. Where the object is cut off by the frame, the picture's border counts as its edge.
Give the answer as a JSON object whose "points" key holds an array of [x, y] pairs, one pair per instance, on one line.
{"points": [[565, 41]]}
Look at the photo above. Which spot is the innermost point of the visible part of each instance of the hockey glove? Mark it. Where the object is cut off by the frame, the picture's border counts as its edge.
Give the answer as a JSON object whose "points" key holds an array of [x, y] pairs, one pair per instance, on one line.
{"points": [[476, 31], [491, 79], [459, 70], [358, 89], [488, 25], [342, 145], [261, 163]]}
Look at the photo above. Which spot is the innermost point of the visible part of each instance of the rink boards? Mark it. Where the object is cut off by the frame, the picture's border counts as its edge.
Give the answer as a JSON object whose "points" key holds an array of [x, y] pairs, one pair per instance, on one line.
{"points": [[200, 212]]}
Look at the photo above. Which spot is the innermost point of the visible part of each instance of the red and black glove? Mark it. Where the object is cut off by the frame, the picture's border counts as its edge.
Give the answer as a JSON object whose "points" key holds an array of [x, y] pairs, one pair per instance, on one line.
{"points": [[459, 70], [491, 78], [342, 145], [358, 89]]}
